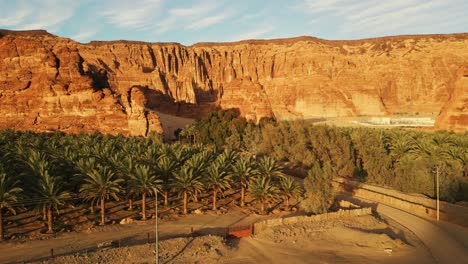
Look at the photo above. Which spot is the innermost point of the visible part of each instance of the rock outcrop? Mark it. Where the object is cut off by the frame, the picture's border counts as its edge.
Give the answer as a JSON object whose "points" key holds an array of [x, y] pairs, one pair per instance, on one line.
{"points": [[51, 83]]}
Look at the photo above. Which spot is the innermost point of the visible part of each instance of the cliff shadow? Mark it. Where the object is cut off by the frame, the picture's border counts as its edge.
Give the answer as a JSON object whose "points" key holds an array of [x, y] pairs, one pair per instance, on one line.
{"points": [[164, 103]]}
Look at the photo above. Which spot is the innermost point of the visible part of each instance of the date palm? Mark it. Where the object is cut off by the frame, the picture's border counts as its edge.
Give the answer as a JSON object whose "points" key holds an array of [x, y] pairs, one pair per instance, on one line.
{"points": [[185, 182], [46, 187], [9, 192], [124, 167], [217, 180], [244, 171], [263, 191], [269, 167], [99, 185], [198, 165], [143, 183], [289, 189], [165, 168], [227, 159], [52, 195], [435, 151]]}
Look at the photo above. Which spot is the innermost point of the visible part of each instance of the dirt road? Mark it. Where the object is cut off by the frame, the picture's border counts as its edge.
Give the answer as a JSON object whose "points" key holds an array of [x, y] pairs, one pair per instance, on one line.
{"points": [[69, 243], [438, 237]]}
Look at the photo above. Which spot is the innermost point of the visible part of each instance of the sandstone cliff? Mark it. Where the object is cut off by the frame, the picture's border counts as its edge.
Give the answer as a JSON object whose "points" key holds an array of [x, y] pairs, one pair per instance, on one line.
{"points": [[52, 83]]}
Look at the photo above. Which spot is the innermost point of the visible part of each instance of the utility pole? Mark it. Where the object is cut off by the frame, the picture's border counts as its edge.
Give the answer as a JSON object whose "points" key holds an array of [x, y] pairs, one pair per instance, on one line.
{"points": [[437, 187], [156, 226]]}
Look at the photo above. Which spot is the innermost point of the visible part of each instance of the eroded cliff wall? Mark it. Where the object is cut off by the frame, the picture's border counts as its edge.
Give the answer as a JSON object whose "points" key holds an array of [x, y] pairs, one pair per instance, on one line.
{"points": [[52, 83]]}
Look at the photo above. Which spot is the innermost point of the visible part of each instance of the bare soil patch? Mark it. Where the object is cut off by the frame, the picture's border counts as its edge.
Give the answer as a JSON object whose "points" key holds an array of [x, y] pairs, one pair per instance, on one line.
{"points": [[359, 239]]}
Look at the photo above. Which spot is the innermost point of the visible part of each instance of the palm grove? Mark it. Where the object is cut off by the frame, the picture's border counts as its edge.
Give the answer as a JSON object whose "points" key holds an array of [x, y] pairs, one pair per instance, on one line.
{"points": [[221, 152], [50, 171]]}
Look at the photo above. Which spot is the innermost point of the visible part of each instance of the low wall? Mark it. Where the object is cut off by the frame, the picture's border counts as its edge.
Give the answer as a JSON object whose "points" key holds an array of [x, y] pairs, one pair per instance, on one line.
{"points": [[260, 226], [415, 204]]}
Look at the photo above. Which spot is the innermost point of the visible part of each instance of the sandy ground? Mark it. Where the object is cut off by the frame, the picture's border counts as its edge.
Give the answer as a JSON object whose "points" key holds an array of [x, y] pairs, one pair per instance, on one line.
{"points": [[170, 123], [363, 239], [208, 222], [393, 236]]}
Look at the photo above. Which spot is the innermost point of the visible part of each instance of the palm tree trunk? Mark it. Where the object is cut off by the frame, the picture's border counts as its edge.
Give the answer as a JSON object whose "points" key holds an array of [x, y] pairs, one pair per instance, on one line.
{"points": [[44, 213], [185, 202], [103, 208], [262, 207], [130, 204], [1, 225], [242, 196], [287, 202], [92, 207], [166, 200], [143, 206], [49, 220], [214, 200]]}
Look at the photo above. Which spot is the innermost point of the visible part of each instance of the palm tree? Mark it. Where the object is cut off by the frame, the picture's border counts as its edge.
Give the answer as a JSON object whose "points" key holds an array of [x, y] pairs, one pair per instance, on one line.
{"points": [[217, 180], [198, 165], [435, 151], [51, 195], [289, 189], [124, 166], [46, 187], [268, 167], [227, 158], [8, 195], [399, 143], [165, 168], [99, 185], [143, 182], [263, 191], [83, 166], [243, 172], [186, 183]]}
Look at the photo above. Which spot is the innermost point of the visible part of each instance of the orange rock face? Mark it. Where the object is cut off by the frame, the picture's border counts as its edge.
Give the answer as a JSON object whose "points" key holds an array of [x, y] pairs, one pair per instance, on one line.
{"points": [[50, 83]]}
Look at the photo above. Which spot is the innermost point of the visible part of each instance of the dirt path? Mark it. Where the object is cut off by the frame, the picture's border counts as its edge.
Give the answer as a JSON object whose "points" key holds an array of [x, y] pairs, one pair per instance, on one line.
{"points": [[444, 247], [443, 240], [133, 234]]}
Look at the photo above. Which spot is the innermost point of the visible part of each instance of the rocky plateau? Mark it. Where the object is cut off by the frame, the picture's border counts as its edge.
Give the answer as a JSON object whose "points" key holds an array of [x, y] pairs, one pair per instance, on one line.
{"points": [[50, 83]]}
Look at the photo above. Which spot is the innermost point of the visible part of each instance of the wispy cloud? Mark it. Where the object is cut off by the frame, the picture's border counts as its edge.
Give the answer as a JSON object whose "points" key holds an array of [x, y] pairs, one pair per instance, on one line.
{"points": [[131, 14], [204, 14], [256, 33], [44, 14], [85, 35], [209, 21], [371, 17]]}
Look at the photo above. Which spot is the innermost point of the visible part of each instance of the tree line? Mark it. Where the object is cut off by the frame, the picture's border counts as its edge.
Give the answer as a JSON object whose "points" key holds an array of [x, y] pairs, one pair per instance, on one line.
{"points": [[48, 171], [403, 159]]}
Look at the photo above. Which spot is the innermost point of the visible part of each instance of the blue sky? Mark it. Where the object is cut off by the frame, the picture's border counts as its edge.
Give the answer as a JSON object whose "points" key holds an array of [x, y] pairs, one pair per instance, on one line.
{"points": [[190, 21]]}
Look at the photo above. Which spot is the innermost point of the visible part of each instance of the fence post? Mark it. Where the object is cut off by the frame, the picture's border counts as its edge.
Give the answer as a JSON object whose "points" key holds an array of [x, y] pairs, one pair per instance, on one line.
{"points": [[148, 235], [52, 253]]}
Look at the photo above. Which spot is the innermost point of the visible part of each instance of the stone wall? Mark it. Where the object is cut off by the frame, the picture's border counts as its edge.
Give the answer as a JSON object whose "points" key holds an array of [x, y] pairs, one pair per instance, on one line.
{"points": [[260, 226], [415, 204]]}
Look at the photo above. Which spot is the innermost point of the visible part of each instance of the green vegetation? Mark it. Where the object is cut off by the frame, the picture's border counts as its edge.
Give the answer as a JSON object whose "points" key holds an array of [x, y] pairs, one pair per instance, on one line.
{"points": [[405, 160], [319, 190], [50, 171], [8, 196]]}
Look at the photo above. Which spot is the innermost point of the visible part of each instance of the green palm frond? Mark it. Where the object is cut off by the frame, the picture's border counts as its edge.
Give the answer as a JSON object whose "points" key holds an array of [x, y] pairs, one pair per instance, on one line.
{"points": [[244, 170], [269, 167], [263, 190], [217, 178]]}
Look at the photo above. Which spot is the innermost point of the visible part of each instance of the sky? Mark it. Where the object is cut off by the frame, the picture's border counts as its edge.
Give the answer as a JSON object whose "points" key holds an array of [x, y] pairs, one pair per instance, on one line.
{"points": [[192, 21]]}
